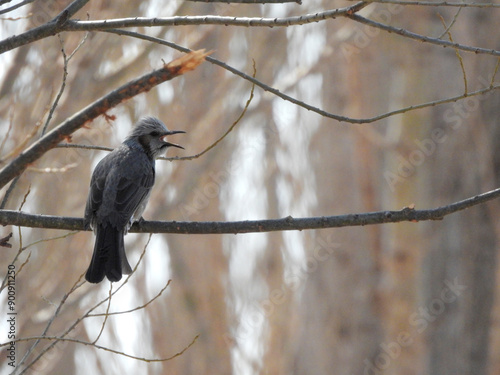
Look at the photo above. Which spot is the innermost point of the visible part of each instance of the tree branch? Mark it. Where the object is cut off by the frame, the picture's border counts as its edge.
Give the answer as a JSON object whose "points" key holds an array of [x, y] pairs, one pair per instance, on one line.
{"points": [[96, 346], [13, 7], [300, 103], [102, 25], [18, 218], [53, 28], [72, 8], [99, 107], [421, 38]]}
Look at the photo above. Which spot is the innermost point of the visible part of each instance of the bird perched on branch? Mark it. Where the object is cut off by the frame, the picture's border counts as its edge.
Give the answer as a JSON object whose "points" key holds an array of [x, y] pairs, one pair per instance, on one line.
{"points": [[119, 191]]}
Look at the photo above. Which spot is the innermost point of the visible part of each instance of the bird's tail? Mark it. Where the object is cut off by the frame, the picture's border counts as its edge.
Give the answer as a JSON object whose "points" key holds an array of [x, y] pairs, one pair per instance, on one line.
{"points": [[109, 257]]}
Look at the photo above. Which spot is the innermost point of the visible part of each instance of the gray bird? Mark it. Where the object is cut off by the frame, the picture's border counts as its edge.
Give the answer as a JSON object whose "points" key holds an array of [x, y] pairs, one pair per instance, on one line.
{"points": [[119, 191]]}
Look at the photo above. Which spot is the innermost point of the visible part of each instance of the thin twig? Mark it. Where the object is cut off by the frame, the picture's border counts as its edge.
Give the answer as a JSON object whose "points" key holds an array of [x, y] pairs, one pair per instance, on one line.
{"points": [[9, 191], [319, 111], [61, 88], [88, 314], [67, 339], [495, 73], [422, 38], [66, 60], [75, 286], [457, 52], [13, 7], [138, 307], [6, 134], [21, 145], [106, 315], [230, 128], [49, 239], [448, 28]]}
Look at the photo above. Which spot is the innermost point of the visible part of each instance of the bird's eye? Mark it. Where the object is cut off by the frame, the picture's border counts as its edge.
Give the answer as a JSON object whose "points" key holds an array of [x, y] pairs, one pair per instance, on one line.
{"points": [[154, 133]]}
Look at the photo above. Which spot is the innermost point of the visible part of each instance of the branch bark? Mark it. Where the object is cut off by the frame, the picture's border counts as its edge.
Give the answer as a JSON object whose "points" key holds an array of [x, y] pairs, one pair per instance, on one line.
{"points": [[97, 108], [23, 219], [421, 38], [53, 27]]}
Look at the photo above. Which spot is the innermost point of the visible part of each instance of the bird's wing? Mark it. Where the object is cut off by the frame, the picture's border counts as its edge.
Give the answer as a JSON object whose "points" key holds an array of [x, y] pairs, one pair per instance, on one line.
{"points": [[94, 199], [120, 183], [132, 190]]}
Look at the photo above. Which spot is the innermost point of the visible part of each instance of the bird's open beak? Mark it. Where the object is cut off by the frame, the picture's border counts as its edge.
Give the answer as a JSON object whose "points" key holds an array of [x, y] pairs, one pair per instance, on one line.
{"points": [[171, 132]]}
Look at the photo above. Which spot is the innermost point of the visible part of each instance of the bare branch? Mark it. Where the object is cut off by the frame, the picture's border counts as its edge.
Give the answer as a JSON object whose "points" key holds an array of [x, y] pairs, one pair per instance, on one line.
{"points": [[13, 7], [18, 218], [448, 28], [66, 60], [143, 306], [457, 53], [436, 4], [421, 38], [21, 145], [85, 147], [55, 27], [233, 125], [49, 324], [69, 11], [48, 239], [6, 136], [66, 339], [103, 148], [300, 103]]}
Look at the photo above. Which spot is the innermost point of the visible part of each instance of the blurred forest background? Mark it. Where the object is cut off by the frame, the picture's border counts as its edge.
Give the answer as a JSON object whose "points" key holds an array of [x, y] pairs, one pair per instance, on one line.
{"points": [[409, 298]]}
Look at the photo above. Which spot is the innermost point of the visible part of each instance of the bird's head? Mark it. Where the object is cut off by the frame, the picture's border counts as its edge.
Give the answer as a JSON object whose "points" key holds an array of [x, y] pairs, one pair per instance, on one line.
{"points": [[152, 134]]}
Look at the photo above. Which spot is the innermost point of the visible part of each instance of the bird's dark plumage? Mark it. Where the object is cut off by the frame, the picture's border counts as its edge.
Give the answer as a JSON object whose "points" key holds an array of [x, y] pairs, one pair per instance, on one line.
{"points": [[119, 191]]}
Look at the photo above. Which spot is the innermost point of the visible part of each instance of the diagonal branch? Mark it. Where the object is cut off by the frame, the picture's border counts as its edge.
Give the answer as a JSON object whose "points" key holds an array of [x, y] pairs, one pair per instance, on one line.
{"points": [[86, 343], [51, 28], [99, 107], [309, 107], [13, 7], [72, 8], [421, 38], [19, 218]]}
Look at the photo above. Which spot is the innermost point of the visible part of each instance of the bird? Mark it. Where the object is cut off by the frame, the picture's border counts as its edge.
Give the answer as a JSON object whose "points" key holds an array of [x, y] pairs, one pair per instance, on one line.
{"points": [[120, 188]]}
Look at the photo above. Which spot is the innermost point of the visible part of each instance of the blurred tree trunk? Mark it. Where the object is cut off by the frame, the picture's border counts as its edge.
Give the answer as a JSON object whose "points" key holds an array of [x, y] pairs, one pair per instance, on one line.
{"points": [[463, 250]]}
